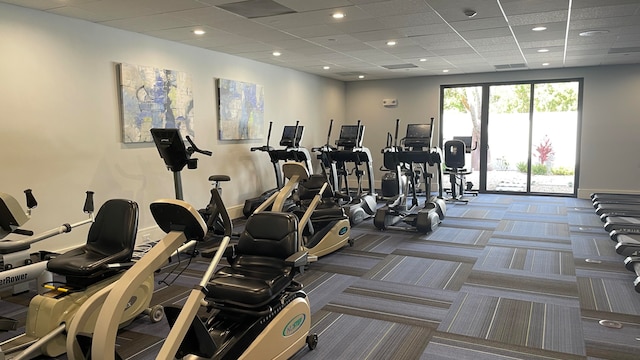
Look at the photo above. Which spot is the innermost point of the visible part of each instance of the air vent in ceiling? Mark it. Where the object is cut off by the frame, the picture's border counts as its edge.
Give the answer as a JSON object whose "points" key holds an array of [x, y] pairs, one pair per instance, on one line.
{"points": [[624, 50], [350, 73], [253, 9], [510, 66], [399, 66]]}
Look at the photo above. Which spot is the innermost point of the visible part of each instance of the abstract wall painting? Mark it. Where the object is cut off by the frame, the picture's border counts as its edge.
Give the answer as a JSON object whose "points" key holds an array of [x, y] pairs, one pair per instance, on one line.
{"points": [[154, 98], [241, 107]]}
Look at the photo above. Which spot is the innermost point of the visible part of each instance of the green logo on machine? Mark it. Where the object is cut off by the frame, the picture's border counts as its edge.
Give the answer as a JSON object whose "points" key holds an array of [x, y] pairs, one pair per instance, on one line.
{"points": [[294, 325], [343, 230]]}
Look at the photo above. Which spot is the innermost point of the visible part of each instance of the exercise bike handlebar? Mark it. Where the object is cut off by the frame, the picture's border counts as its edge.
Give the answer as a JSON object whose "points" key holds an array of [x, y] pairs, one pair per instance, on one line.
{"points": [[31, 200], [193, 148]]}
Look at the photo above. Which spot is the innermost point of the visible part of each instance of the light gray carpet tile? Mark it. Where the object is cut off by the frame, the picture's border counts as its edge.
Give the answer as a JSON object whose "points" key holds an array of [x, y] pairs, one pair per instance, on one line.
{"points": [[589, 245], [517, 322], [611, 295], [515, 216], [476, 212], [464, 223], [322, 287], [430, 273], [460, 236], [537, 208], [586, 217], [382, 242], [523, 295], [532, 229], [347, 337], [530, 260], [444, 346]]}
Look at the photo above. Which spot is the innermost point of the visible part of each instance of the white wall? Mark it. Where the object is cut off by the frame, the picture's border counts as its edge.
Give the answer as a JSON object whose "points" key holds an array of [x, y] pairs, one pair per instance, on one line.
{"points": [[610, 118], [61, 131]]}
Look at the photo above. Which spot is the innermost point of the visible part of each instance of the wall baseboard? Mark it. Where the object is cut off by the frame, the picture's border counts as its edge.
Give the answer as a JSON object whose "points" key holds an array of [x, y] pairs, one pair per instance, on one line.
{"points": [[586, 193]]}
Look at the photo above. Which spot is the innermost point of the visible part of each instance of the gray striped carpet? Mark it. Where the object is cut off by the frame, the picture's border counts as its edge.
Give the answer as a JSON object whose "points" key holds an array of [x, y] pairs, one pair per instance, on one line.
{"points": [[504, 277]]}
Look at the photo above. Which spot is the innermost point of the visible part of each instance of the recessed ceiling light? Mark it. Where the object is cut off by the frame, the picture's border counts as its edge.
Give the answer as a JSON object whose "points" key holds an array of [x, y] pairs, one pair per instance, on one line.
{"points": [[199, 32], [360, 76], [338, 15], [277, 53], [539, 28], [545, 64], [391, 42], [445, 71], [470, 13], [423, 59], [543, 50], [326, 67], [593, 32]]}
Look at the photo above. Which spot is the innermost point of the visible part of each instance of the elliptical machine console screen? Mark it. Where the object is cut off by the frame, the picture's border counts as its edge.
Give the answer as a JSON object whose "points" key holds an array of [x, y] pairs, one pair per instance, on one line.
{"points": [[418, 135], [351, 136], [288, 134]]}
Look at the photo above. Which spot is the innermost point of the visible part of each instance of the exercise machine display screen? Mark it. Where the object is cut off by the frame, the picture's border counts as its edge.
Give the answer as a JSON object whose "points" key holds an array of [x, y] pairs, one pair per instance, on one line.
{"points": [[171, 148], [349, 135], [418, 135], [287, 136]]}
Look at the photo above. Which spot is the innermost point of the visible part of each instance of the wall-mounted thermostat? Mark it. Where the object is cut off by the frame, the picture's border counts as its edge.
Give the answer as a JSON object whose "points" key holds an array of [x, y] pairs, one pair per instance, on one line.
{"points": [[389, 102]]}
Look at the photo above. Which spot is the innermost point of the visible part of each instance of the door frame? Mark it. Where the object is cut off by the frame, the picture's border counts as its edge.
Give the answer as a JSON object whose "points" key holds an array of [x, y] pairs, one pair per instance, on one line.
{"points": [[484, 135]]}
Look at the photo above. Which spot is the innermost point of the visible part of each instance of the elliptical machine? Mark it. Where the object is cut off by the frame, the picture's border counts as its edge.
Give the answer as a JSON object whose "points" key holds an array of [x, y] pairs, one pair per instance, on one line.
{"points": [[292, 151], [259, 310], [415, 149], [361, 204]]}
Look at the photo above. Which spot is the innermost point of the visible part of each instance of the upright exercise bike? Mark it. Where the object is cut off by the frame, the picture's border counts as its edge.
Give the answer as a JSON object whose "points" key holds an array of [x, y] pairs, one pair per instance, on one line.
{"points": [[176, 156], [258, 310], [415, 149]]}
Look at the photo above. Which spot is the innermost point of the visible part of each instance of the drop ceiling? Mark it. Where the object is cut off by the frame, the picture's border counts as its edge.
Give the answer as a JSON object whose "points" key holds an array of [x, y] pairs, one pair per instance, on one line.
{"points": [[432, 37]]}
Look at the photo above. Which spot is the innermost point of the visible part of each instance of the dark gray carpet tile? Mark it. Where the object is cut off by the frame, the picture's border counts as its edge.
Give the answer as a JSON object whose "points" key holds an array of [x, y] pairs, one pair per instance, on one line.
{"points": [[588, 245], [380, 242], [603, 268], [524, 295], [611, 343], [532, 229], [446, 253], [492, 199], [403, 292], [347, 262], [523, 281], [445, 346], [609, 295], [501, 240], [347, 337], [529, 260], [460, 236], [422, 246], [437, 274], [516, 322], [387, 310]]}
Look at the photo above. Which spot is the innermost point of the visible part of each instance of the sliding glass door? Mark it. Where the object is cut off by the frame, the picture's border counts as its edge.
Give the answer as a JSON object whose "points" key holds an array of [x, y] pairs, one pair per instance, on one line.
{"points": [[525, 135]]}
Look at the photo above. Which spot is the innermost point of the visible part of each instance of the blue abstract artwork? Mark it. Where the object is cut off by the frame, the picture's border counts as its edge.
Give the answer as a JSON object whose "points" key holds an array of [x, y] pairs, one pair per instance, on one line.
{"points": [[154, 98], [241, 110]]}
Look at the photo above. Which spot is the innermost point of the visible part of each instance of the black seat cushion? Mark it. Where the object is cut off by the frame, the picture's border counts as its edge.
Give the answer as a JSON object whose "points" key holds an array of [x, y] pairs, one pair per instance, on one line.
{"points": [[259, 272], [111, 239]]}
